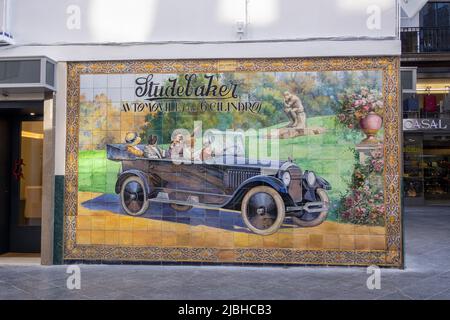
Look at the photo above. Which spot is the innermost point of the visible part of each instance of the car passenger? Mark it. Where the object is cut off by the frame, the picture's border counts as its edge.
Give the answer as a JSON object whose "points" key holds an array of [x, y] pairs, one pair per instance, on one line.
{"points": [[176, 148], [152, 150], [132, 139]]}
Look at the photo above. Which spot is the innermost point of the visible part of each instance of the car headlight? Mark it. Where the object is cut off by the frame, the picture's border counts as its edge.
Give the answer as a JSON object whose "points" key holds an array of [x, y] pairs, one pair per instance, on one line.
{"points": [[286, 178], [311, 179]]}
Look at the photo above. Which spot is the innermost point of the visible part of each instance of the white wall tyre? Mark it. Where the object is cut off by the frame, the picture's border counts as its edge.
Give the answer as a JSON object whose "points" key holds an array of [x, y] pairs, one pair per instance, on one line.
{"points": [[133, 196], [309, 220], [263, 210]]}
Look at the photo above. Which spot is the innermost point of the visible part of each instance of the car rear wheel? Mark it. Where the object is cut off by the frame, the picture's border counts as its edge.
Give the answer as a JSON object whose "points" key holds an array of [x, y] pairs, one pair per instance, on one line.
{"points": [[133, 196], [313, 219], [263, 210]]}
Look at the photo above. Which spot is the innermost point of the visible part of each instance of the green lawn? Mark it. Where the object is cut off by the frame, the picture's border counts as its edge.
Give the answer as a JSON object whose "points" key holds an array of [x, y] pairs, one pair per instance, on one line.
{"points": [[328, 154], [96, 173]]}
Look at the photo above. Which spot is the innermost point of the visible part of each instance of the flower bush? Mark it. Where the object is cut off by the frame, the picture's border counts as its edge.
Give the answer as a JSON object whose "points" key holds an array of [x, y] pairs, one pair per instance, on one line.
{"points": [[352, 107], [364, 202]]}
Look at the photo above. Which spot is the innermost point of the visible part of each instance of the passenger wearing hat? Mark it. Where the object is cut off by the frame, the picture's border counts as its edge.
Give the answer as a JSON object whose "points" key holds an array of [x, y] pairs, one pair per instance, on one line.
{"points": [[177, 146], [152, 150], [132, 139]]}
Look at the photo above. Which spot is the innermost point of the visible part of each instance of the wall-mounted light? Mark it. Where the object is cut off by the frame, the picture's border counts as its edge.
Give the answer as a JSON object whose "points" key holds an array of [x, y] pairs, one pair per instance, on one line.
{"points": [[240, 29]]}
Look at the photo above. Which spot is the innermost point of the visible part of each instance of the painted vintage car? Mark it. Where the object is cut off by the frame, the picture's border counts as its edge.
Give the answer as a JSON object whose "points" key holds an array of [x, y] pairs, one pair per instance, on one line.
{"points": [[265, 193]]}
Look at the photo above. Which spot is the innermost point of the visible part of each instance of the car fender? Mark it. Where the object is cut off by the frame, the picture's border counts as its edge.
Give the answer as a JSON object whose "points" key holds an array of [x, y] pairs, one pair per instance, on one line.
{"points": [[273, 182], [129, 173], [310, 192], [324, 184]]}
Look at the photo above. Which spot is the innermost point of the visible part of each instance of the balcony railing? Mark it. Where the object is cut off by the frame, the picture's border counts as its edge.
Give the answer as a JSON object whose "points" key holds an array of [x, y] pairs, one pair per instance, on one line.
{"points": [[425, 40]]}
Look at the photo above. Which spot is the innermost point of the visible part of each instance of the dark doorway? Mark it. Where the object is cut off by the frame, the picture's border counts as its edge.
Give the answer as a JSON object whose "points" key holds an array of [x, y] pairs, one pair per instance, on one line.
{"points": [[5, 181], [21, 151]]}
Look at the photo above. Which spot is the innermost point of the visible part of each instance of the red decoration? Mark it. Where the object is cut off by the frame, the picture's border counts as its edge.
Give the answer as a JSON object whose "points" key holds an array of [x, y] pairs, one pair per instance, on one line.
{"points": [[17, 171]]}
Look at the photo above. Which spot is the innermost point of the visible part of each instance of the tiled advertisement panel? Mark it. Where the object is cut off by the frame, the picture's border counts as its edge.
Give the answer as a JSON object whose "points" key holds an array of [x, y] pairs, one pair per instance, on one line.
{"points": [[348, 135]]}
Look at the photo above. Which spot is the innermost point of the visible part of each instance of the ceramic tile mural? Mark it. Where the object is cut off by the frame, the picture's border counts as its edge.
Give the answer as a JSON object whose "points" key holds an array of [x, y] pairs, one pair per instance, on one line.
{"points": [[290, 161]]}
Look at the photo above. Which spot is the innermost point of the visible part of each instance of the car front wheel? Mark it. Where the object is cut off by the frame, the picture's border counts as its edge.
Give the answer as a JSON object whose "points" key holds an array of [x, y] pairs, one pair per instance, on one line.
{"points": [[313, 219], [133, 196], [263, 210]]}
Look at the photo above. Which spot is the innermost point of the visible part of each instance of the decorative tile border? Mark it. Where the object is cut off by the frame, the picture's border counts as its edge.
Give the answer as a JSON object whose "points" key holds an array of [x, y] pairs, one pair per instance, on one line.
{"points": [[392, 256]]}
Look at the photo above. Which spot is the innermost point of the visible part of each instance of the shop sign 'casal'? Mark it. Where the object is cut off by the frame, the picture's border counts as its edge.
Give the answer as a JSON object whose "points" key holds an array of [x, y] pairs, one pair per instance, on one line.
{"points": [[425, 124]]}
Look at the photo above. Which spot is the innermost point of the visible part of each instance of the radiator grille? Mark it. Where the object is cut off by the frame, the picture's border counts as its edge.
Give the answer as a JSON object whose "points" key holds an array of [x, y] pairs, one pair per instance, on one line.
{"points": [[295, 188], [235, 177]]}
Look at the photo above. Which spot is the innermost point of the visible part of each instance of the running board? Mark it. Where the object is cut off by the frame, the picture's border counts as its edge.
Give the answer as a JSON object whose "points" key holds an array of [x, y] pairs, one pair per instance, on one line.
{"points": [[193, 201]]}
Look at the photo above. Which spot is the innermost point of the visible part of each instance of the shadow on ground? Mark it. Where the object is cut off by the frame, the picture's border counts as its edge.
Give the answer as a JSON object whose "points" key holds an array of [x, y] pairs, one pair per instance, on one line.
{"points": [[227, 220]]}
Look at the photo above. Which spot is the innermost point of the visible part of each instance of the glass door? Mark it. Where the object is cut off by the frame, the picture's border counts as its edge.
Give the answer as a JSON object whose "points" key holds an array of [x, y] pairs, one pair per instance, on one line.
{"points": [[26, 186]]}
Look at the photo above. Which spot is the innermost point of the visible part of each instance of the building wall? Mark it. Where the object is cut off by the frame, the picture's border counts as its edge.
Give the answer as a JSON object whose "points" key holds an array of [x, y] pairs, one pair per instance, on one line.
{"points": [[107, 30], [99, 30], [196, 20]]}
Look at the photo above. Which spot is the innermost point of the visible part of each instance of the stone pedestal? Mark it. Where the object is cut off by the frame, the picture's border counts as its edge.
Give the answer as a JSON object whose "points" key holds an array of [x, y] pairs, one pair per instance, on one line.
{"points": [[365, 150]]}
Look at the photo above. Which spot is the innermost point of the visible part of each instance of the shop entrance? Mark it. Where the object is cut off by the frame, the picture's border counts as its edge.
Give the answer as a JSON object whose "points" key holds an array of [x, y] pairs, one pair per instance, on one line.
{"points": [[21, 154], [427, 168], [436, 174]]}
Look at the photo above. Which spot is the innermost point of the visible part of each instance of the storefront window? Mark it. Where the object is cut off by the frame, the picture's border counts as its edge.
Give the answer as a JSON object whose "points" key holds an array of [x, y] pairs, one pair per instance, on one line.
{"points": [[436, 166], [413, 169], [435, 14], [434, 32], [426, 168]]}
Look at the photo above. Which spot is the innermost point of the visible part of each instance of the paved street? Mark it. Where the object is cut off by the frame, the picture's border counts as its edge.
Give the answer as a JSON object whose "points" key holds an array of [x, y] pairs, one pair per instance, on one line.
{"points": [[427, 275]]}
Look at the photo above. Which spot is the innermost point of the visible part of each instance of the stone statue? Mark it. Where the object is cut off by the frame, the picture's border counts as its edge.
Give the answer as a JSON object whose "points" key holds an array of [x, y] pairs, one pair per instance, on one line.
{"points": [[295, 111]]}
